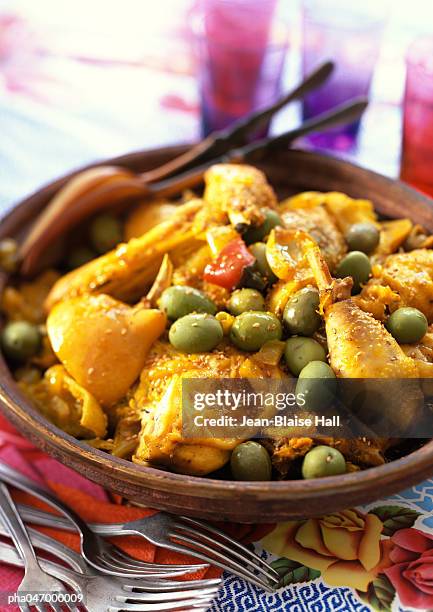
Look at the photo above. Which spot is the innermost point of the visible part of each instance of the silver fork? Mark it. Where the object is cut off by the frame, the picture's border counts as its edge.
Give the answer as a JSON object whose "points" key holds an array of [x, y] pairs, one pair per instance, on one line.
{"points": [[36, 580], [182, 534], [113, 588], [102, 555], [100, 597]]}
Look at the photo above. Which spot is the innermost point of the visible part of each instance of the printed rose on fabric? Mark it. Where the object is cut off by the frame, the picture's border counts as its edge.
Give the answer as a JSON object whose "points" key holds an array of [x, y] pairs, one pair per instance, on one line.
{"points": [[412, 571], [346, 547]]}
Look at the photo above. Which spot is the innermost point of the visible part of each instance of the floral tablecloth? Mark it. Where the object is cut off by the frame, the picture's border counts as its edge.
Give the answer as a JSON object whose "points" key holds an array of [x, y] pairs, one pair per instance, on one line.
{"points": [[377, 557]]}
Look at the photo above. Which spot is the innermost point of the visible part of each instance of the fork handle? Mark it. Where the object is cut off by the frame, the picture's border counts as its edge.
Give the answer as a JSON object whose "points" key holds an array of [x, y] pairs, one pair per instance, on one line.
{"points": [[16, 529], [52, 546], [17, 479], [9, 555], [45, 519]]}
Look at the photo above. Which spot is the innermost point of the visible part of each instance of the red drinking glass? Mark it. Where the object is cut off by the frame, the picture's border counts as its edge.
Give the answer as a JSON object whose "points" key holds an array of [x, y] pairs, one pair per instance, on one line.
{"points": [[417, 146]]}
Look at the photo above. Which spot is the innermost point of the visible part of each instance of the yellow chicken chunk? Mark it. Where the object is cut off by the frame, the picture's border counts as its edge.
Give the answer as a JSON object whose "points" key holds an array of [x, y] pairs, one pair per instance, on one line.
{"points": [[103, 343], [322, 228], [239, 192], [159, 398], [410, 276], [146, 215], [361, 347], [67, 404], [126, 272]]}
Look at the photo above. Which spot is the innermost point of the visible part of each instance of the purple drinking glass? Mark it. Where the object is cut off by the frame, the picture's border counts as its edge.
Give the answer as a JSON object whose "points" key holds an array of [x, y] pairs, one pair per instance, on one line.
{"points": [[350, 34]]}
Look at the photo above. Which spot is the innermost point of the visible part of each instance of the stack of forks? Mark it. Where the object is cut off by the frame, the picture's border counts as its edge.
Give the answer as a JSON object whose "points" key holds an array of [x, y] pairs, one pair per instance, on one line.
{"points": [[103, 577]]}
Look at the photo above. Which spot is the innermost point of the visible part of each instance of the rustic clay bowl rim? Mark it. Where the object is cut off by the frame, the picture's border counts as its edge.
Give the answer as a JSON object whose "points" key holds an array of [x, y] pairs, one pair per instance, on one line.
{"points": [[413, 467]]}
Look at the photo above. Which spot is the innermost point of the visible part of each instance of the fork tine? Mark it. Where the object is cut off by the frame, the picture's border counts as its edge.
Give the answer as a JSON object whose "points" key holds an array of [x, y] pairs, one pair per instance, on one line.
{"points": [[160, 607], [172, 596], [263, 568], [108, 566], [219, 559], [166, 586], [163, 566], [234, 544], [136, 564]]}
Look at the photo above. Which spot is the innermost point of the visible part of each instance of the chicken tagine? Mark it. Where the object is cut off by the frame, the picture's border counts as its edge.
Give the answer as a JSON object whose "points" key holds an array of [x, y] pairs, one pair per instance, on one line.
{"points": [[233, 284]]}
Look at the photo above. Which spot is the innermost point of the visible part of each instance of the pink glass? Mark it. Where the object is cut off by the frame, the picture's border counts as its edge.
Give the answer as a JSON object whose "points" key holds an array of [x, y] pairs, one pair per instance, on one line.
{"points": [[241, 51], [417, 147]]}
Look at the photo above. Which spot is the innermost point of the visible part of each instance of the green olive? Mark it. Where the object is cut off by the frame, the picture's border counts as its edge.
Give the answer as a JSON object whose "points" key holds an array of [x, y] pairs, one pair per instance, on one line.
{"points": [[252, 329], [300, 351], [258, 249], [20, 340], [80, 256], [251, 461], [357, 265], [363, 237], [258, 232], [245, 299], [105, 233], [316, 385], [300, 314], [178, 301], [196, 333], [323, 461], [407, 325]]}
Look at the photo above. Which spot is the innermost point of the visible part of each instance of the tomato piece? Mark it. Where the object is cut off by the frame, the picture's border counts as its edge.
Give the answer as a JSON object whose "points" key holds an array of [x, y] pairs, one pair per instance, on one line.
{"points": [[228, 268]]}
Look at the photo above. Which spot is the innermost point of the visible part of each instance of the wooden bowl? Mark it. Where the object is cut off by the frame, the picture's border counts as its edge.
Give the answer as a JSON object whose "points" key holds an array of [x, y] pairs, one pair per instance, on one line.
{"points": [[290, 171]]}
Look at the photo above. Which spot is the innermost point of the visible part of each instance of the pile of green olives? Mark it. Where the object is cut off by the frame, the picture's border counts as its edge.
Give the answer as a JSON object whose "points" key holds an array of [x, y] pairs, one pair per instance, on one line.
{"points": [[252, 329], [363, 237], [20, 341], [407, 325], [301, 312], [357, 265], [196, 333], [250, 461], [178, 301], [323, 461]]}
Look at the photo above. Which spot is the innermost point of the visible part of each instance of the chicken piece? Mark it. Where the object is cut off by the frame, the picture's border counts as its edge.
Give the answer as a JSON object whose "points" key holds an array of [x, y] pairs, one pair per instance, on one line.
{"points": [[159, 398], [344, 210], [25, 302], [392, 236], [128, 270], [284, 451], [378, 300], [238, 192], [321, 227], [361, 347], [146, 215], [103, 343], [422, 353], [410, 276], [67, 404]]}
